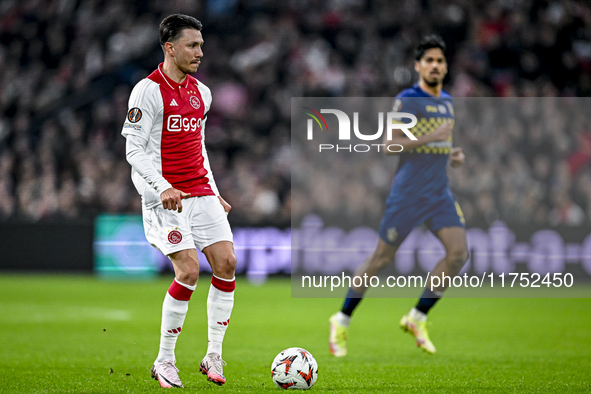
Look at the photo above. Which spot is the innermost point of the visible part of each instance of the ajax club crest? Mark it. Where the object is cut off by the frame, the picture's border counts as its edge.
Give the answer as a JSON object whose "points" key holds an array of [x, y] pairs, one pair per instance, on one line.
{"points": [[195, 103], [175, 236]]}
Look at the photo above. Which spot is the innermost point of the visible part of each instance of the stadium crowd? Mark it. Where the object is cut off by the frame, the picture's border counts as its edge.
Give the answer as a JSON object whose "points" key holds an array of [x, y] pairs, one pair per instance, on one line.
{"points": [[67, 67]]}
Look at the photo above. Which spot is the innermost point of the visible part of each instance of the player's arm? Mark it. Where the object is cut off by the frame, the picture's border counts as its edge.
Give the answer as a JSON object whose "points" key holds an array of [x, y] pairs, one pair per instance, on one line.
{"points": [[145, 103], [135, 153], [441, 133], [226, 206]]}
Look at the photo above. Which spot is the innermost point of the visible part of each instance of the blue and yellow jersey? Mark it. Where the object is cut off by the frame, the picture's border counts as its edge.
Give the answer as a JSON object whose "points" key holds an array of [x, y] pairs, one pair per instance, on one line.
{"points": [[421, 171]]}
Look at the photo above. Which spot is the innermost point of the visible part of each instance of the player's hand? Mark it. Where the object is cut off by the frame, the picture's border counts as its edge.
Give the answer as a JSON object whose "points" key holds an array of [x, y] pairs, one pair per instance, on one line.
{"points": [[226, 206], [443, 132], [171, 199], [457, 157]]}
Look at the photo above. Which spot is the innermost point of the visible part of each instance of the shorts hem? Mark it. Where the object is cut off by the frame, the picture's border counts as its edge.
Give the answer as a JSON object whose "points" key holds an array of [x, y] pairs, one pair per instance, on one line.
{"points": [[396, 243], [176, 249], [434, 230], [214, 242]]}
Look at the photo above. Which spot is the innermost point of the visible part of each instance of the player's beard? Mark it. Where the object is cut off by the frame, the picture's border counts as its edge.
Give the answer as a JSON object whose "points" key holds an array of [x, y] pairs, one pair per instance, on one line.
{"points": [[432, 83], [188, 69]]}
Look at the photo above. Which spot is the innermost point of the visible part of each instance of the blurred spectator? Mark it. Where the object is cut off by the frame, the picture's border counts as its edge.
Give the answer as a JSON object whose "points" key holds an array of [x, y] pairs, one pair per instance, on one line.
{"points": [[566, 212]]}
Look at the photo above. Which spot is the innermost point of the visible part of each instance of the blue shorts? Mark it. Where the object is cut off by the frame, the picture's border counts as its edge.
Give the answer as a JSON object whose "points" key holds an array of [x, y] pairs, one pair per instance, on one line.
{"points": [[402, 216]]}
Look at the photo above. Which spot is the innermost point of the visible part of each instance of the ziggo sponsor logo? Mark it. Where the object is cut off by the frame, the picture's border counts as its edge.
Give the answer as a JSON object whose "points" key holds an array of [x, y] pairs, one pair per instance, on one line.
{"points": [[176, 123]]}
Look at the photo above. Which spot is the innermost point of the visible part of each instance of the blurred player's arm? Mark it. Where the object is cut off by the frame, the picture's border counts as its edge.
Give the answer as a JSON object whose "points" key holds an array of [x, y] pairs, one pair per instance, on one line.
{"points": [[457, 157], [441, 133]]}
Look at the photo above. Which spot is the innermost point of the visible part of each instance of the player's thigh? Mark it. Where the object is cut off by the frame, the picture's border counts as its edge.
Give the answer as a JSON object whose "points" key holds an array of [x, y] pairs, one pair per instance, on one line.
{"points": [[385, 250], [186, 265], [222, 259], [168, 231], [448, 224], [454, 241], [382, 256]]}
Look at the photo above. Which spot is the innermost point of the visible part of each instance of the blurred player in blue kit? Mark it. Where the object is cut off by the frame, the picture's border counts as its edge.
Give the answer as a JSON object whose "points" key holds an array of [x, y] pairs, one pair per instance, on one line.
{"points": [[419, 194]]}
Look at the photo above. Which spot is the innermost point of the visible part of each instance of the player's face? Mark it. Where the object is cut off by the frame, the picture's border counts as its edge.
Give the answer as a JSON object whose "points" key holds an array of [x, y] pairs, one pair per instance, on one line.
{"points": [[187, 51], [432, 67]]}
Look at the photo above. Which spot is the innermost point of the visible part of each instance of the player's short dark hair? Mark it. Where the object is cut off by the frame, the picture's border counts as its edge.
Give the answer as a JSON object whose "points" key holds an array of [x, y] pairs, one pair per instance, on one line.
{"points": [[429, 42], [171, 28]]}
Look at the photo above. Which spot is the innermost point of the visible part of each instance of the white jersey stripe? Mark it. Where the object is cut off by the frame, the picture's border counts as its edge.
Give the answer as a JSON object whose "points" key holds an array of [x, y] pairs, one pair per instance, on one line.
{"points": [[206, 95], [206, 165]]}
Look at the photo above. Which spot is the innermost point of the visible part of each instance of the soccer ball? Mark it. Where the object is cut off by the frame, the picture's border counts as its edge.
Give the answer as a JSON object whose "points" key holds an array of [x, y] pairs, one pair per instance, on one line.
{"points": [[294, 368]]}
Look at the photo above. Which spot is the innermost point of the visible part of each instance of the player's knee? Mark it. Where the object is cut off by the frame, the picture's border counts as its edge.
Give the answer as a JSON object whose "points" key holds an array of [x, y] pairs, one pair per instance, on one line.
{"points": [[226, 266], [382, 256], [189, 275], [381, 261], [186, 267], [193, 273], [457, 257]]}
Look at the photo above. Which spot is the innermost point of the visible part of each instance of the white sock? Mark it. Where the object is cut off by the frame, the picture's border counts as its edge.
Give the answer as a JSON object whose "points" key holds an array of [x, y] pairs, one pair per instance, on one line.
{"points": [[220, 302], [417, 315], [174, 311], [343, 319]]}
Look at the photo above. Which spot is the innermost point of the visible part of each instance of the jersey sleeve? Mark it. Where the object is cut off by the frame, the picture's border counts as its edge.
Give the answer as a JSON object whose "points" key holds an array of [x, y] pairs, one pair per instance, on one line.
{"points": [[143, 107], [136, 156], [404, 101], [206, 95], [401, 104]]}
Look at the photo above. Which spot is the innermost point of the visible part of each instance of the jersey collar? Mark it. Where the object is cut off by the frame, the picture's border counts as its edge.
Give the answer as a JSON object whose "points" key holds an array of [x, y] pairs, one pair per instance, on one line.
{"points": [[417, 87], [170, 81], [444, 94]]}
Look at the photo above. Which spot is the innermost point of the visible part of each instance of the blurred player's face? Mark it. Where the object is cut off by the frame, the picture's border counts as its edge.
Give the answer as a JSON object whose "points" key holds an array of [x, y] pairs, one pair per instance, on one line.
{"points": [[432, 67], [187, 51]]}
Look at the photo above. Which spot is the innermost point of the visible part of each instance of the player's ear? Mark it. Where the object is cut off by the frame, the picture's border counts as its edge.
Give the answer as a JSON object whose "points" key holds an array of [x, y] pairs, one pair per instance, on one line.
{"points": [[169, 48], [417, 66]]}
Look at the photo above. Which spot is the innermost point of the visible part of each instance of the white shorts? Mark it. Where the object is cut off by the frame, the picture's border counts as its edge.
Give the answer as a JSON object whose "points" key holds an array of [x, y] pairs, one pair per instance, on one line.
{"points": [[202, 222]]}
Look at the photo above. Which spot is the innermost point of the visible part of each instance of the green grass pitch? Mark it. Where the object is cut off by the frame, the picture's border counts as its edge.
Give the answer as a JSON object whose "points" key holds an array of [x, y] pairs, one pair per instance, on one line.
{"points": [[76, 334]]}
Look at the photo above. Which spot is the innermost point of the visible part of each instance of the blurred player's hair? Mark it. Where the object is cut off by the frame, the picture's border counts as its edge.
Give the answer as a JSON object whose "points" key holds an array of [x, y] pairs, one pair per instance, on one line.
{"points": [[429, 42], [171, 28]]}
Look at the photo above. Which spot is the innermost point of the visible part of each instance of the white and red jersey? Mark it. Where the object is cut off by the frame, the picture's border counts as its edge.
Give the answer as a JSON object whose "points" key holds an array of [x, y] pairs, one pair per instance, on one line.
{"points": [[170, 120]]}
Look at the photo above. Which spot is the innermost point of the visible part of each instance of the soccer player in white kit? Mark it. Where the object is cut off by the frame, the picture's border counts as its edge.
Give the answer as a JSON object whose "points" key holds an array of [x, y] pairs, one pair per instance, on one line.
{"points": [[181, 206]]}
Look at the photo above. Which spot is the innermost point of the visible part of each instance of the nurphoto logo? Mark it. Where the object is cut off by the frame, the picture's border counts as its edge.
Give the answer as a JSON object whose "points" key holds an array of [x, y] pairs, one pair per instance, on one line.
{"points": [[393, 121]]}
